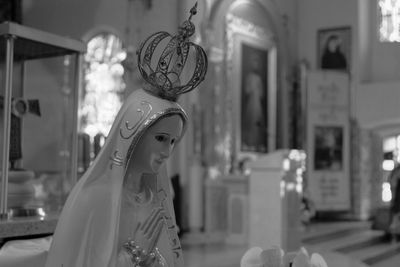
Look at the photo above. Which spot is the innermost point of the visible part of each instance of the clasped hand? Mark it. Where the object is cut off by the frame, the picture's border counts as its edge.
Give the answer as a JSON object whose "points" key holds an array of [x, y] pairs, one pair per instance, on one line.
{"points": [[148, 232], [146, 237]]}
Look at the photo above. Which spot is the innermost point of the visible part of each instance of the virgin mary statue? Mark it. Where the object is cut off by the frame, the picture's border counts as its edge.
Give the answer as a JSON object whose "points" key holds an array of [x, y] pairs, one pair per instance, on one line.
{"points": [[120, 213], [125, 190]]}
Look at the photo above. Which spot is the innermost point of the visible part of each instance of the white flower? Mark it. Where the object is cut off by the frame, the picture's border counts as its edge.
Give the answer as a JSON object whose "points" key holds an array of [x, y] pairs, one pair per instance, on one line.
{"points": [[276, 257]]}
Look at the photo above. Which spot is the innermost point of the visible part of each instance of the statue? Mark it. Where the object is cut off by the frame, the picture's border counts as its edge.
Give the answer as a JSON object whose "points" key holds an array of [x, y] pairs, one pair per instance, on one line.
{"points": [[120, 212]]}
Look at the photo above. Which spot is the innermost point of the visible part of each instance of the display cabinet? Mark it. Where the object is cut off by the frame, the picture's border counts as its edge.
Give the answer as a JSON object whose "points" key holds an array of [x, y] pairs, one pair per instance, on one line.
{"points": [[40, 75]]}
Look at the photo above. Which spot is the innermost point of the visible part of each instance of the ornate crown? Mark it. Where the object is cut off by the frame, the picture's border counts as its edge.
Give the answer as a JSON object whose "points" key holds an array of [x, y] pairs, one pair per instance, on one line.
{"points": [[163, 72]]}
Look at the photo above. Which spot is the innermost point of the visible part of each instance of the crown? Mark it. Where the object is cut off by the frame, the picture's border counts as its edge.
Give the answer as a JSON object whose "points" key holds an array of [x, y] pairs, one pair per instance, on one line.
{"points": [[162, 58]]}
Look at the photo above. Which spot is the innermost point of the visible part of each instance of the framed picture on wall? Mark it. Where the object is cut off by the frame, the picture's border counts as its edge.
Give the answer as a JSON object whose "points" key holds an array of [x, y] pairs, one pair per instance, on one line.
{"points": [[254, 99], [328, 148], [252, 77], [334, 48]]}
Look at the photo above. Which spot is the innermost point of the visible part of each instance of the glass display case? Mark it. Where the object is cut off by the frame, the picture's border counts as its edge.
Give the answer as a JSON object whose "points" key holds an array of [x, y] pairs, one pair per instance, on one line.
{"points": [[40, 76]]}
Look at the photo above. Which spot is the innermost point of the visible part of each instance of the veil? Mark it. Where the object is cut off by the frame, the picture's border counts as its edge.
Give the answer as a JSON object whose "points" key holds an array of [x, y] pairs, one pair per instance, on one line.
{"points": [[87, 231]]}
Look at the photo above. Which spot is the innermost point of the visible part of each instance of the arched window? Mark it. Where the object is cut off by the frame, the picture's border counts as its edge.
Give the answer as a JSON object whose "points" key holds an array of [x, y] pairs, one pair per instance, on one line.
{"points": [[103, 84], [389, 26]]}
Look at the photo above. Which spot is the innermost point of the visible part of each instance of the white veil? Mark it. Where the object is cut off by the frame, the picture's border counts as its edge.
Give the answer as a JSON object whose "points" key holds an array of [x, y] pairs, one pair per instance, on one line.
{"points": [[87, 231]]}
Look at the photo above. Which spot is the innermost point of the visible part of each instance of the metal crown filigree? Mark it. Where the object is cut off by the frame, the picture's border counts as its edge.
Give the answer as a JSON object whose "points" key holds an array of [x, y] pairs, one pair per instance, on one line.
{"points": [[162, 73]]}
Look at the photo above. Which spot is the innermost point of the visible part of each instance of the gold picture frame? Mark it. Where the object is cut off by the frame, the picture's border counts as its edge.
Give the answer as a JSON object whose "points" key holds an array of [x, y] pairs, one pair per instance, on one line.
{"points": [[254, 92]]}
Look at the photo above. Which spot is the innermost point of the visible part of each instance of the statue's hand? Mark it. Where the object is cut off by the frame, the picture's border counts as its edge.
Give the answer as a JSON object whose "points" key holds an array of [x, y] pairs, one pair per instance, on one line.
{"points": [[142, 249], [148, 232]]}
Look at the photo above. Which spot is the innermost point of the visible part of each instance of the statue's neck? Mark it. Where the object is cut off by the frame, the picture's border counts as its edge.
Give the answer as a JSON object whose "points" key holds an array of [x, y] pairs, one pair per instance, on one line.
{"points": [[137, 182]]}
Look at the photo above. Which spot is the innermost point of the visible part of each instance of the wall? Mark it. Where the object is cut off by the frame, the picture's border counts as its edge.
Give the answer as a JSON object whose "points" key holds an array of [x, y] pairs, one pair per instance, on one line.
{"points": [[374, 83], [385, 57], [320, 14], [75, 18], [375, 66], [377, 103], [373, 61]]}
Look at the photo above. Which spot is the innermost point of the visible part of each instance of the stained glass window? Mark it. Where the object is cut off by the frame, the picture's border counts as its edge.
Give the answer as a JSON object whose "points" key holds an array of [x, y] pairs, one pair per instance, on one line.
{"points": [[103, 84], [389, 27]]}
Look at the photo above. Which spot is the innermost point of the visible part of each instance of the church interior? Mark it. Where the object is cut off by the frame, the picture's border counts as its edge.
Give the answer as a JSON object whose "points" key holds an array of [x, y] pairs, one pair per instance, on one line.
{"points": [[292, 141]]}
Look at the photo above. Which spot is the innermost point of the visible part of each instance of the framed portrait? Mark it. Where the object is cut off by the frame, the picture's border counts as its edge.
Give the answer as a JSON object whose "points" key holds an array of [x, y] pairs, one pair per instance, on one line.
{"points": [[254, 99], [334, 48], [328, 148], [252, 64]]}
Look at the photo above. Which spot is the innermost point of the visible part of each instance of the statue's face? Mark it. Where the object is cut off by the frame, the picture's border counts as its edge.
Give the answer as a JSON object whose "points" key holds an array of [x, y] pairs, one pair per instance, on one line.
{"points": [[157, 143]]}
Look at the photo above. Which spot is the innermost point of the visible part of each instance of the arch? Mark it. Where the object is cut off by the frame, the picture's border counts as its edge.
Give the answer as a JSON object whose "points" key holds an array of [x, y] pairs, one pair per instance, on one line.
{"points": [[220, 8], [102, 29], [215, 21]]}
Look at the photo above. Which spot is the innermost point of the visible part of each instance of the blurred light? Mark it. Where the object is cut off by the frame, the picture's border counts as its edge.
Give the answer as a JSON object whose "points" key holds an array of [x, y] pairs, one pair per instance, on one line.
{"points": [[299, 172], [296, 155], [389, 21], [388, 165], [41, 213], [386, 192], [299, 181], [286, 164], [389, 144], [290, 186], [282, 191], [299, 188], [213, 172], [397, 150], [117, 69], [122, 56], [102, 141]]}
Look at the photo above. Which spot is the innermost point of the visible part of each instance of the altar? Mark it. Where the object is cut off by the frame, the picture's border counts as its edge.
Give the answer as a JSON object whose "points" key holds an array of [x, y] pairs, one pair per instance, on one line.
{"points": [[260, 209], [275, 188], [227, 216]]}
